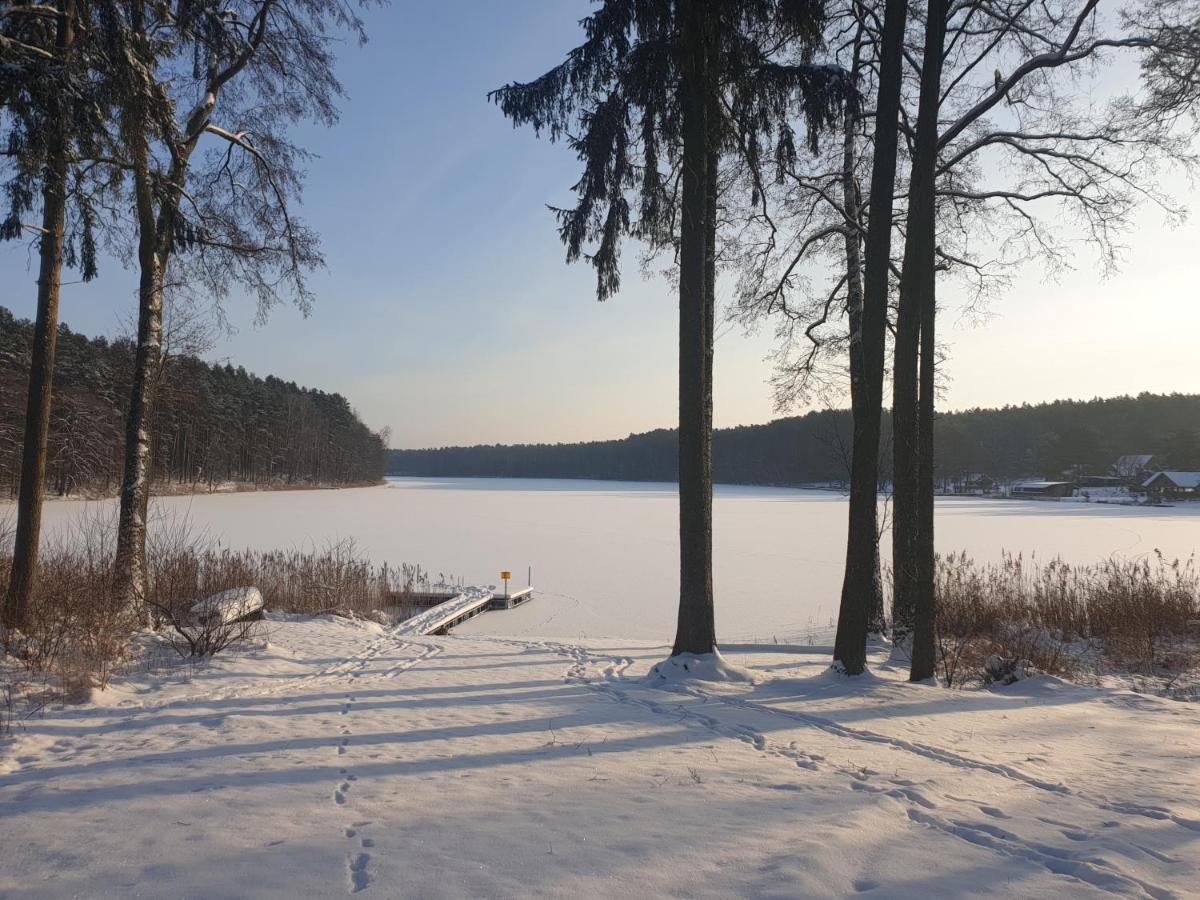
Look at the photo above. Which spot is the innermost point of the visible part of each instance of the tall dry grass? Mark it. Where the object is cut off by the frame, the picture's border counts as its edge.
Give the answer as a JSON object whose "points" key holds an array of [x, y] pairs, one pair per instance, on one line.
{"points": [[1136, 615], [79, 632]]}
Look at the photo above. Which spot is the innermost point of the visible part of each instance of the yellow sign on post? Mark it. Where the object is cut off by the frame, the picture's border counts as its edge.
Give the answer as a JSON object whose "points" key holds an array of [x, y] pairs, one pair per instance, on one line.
{"points": [[505, 576]]}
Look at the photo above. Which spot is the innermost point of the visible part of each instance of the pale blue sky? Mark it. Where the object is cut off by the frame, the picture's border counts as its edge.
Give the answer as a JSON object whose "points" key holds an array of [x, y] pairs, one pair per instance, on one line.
{"points": [[448, 313]]}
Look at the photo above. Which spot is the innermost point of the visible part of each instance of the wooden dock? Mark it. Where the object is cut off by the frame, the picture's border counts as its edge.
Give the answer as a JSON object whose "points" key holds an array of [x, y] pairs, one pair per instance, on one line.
{"points": [[508, 601], [470, 602]]}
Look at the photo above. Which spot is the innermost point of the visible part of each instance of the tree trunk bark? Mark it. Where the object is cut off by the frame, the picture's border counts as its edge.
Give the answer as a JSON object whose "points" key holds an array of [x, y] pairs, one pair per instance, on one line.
{"points": [[862, 592], [913, 528], [135, 486], [156, 214], [696, 631], [924, 649], [45, 339], [904, 450]]}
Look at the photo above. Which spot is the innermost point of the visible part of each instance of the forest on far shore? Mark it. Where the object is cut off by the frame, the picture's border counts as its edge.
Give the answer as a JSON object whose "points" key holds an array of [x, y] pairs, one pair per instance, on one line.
{"points": [[212, 423], [1031, 440]]}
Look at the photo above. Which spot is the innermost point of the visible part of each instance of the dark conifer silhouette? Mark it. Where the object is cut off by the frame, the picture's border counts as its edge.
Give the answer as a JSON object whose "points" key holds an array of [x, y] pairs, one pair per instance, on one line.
{"points": [[214, 423], [56, 116], [654, 99], [1003, 445]]}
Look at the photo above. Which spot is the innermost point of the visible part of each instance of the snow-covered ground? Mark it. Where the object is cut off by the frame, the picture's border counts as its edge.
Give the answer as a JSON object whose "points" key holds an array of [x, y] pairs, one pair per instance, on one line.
{"points": [[341, 757], [605, 554]]}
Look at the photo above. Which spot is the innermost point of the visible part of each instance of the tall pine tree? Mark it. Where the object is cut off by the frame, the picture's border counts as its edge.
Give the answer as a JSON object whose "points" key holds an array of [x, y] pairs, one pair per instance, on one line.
{"points": [[659, 94], [55, 115]]}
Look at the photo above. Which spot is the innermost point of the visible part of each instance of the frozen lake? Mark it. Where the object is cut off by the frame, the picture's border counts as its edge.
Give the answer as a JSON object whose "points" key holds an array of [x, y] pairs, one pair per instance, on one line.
{"points": [[604, 554]]}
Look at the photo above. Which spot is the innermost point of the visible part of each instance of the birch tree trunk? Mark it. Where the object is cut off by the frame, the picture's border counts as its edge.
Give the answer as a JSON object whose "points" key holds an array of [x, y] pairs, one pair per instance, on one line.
{"points": [[131, 572], [156, 216], [45, 338]]}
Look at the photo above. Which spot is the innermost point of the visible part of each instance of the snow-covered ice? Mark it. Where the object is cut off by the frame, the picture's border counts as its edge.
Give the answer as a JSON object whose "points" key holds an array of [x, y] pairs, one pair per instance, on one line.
{"points": [[341, 757], [605, 554]]}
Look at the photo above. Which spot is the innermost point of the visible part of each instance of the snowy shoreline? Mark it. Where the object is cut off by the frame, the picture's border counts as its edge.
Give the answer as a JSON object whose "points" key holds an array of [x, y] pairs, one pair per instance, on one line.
{"points": [[337, 757], [177, 490]]}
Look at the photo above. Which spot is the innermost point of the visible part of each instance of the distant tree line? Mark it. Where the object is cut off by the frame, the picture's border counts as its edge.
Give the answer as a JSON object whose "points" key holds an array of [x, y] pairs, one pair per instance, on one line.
{"points": [[1047, 439], [213, 423]]}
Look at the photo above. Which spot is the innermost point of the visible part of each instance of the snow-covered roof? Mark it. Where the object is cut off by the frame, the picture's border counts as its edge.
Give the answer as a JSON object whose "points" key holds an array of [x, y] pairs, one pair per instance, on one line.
{"points": [[1138, 458], [1133, 463], [1179, 479], [1039, 484]]}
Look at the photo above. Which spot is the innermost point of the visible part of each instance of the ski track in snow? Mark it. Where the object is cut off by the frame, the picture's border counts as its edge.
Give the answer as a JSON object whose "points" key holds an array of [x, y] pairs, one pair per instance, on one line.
{"points": [[1080, 866]]}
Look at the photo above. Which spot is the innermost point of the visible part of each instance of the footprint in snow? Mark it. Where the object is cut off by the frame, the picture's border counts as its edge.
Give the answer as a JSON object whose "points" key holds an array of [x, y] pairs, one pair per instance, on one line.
{"points": [[339, 794], [357, 869]]}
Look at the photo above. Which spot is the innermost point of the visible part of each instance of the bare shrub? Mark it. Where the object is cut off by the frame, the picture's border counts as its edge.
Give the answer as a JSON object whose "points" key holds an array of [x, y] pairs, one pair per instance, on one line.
{"points": [[183, 570], [77, 628], [208, 636], [186, 568], [1011, 610]]}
